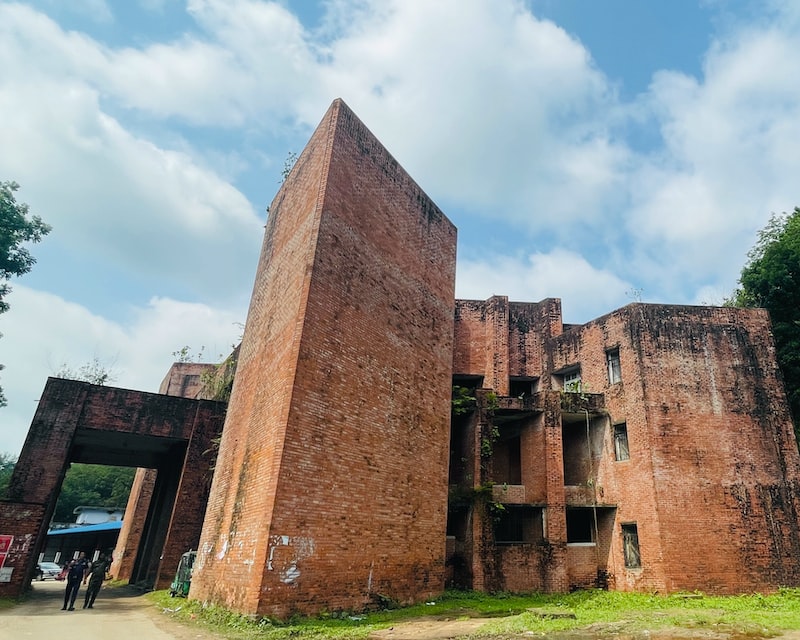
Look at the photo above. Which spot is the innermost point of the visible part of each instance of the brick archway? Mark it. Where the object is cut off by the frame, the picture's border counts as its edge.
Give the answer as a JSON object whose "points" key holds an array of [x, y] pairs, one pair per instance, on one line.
{"points": [[81, 422]]}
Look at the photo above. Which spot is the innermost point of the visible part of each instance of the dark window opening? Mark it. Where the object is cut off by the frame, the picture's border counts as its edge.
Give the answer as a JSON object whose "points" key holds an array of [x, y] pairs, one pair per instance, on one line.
{"points": [[522, 387], [507, 459], [468, 382], [518, 525], [582, 451], [621, 450], [630, 546], [580, 526], [457, 522], [614, 371]]}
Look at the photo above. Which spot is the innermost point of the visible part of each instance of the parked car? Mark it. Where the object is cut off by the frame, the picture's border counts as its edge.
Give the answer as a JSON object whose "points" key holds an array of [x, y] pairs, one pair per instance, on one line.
{"points": [[48, 571]]}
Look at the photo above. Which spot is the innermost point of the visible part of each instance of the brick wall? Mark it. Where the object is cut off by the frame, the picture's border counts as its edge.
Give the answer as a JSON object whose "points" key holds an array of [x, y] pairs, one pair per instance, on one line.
{"points": [[22, 521], [712, 482], [712, 479], [333, 466], [130, 535]]}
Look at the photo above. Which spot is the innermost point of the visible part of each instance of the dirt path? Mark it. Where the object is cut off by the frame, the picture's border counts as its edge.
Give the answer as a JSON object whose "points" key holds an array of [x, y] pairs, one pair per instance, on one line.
{"points": [[123, 613], [119, 612]]}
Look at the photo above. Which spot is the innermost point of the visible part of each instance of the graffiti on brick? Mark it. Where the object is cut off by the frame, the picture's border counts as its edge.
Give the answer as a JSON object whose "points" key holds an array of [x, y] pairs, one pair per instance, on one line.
{"points": [[285, 554]]}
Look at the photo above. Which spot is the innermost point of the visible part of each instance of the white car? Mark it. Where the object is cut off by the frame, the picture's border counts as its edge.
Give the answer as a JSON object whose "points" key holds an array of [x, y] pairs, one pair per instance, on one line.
{"points": [[48, 571]]}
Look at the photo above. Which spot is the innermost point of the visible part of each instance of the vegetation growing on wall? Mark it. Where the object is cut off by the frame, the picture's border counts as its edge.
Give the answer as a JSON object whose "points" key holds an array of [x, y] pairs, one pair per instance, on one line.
{"points": [[218, 382]]}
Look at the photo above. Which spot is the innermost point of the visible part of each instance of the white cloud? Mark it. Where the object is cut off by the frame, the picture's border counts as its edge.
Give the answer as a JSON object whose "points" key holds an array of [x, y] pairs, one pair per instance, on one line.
{"points": [[727, 163], [586, 292], [497, 110], [123, 198], [505, 119], [42, 332]]}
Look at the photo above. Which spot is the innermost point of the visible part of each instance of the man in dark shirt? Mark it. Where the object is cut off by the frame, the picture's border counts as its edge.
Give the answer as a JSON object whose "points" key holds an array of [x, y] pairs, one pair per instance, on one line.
{"points": [[97, 573], [76, 572]]}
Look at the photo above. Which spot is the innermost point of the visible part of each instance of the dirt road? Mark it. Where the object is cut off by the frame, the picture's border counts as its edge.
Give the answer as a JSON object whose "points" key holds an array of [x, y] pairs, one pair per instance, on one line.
{"points": [[121, 612]]}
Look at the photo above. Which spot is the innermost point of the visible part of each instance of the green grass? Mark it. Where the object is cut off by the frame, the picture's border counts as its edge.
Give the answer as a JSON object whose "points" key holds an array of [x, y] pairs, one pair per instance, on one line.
{"points": [[597, 612]]}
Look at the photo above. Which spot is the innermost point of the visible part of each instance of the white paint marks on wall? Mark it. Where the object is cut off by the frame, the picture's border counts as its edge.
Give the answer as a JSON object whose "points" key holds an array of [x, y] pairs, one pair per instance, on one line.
{"points": [[285, 554]]}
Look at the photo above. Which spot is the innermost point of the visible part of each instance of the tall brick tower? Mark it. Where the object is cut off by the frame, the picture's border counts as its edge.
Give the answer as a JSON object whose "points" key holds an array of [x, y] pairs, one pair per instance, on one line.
{"points": [[330, 488]]}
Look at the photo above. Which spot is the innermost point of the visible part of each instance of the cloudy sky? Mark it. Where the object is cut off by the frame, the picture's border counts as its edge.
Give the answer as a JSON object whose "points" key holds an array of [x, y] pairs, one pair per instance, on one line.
{"points": [[599, 151]]}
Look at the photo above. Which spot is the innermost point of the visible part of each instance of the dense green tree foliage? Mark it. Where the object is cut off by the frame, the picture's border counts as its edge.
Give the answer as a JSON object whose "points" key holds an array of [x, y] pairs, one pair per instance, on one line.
{"points": [[7, 462], [771, 279], [16, 228], [95, 486]]}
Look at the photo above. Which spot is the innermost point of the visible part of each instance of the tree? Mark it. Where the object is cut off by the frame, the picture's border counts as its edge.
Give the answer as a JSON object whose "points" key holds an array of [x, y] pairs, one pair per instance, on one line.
{"points": [[771, 279], [94, 372], [92, 485], [7, 464], [15, 229]]}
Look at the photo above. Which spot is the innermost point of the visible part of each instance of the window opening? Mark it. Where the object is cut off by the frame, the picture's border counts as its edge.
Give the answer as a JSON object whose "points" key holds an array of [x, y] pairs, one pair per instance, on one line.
{"points": [[630, 546], [580, 526], [507, 459], [621, 451], [614, 372], [468, 381], [518, 525], [583, 449], [572, 381], [522, 387]]}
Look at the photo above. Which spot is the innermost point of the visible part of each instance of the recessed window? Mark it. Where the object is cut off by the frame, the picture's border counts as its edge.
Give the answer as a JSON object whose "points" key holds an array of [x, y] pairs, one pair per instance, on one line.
{"points": [[630, 546], [572, 381], [522, 387], [612, 362], [518, 525], [580, 526], [621, 451]]}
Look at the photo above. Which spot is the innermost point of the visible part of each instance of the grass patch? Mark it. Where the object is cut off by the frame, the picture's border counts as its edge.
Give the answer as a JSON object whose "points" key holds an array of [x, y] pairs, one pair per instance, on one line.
{"points": [[7, 603], [597, 612]]}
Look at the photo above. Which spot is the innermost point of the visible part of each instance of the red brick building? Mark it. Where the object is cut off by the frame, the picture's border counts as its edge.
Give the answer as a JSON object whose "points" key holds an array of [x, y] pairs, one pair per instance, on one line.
{"points": [[383, 440], [650, 449]]}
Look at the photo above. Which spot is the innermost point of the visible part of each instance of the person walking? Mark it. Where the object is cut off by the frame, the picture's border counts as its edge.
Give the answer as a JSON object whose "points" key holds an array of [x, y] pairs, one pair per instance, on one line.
{"points": [[97, 573], [76, 573]]}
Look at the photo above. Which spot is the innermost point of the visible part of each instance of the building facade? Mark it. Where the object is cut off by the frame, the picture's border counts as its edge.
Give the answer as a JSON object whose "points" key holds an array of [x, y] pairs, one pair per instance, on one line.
{"points": [[383, 440], [650, 449]]}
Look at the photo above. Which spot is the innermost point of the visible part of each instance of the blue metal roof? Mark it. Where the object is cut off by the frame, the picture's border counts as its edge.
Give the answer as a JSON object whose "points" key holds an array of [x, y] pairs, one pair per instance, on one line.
{"points": [[89, 528]]}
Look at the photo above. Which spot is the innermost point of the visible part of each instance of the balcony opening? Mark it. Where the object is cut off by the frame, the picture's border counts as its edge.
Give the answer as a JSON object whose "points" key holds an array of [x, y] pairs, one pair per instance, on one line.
{"points": [[582, 448], [581, 526], [522, 386], [507, 456], [516, 524], [468, 381]]}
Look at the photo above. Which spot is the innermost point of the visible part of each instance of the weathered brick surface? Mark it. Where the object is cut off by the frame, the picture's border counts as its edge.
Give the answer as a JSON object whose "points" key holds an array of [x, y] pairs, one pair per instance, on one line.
{"points": [[77, 421], [184, 379], [330, 488], [712, 479], [332, 475], [133, 523], [21, 520]]}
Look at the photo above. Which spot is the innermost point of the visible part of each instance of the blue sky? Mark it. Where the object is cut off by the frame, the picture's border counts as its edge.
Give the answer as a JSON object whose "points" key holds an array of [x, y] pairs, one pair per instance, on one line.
{"points": [[598, 151]]}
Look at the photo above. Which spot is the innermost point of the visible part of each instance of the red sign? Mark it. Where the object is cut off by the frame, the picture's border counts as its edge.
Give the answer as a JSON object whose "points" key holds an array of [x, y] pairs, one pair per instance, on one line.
{"points": [[5, 546]]}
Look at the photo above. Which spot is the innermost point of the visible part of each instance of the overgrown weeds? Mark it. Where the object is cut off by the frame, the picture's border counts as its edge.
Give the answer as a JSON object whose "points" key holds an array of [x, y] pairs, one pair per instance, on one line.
{"points": [[595, 612]]}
